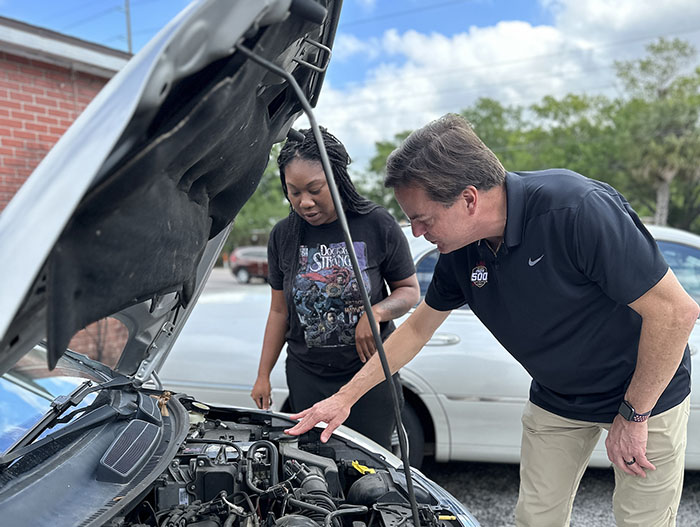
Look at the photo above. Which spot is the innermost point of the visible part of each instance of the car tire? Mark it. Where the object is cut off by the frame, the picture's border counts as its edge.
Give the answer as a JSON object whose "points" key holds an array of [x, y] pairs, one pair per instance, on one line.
{"points": [[416, 437], [242, 275]]}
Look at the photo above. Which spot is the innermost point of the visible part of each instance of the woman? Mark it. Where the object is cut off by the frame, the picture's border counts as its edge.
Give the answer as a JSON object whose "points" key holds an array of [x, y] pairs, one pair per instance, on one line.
{"points": [[316, 307]]}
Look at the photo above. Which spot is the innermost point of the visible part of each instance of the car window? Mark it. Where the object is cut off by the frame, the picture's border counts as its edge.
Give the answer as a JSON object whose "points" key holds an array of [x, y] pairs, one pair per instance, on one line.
{"points": [[424, 271], [28, 389], [685, 262]]}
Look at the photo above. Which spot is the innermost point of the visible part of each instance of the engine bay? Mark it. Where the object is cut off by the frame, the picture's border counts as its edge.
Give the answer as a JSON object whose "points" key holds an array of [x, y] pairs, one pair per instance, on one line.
{"points": [[238, 468]]}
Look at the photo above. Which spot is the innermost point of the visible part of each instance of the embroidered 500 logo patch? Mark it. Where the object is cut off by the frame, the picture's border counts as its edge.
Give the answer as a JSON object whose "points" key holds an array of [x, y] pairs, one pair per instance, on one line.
{"points": [[480, 276]]}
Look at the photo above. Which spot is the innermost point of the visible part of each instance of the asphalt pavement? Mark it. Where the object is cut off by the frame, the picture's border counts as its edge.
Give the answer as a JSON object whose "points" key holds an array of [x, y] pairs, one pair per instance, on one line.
{"points": [[490, 490]]}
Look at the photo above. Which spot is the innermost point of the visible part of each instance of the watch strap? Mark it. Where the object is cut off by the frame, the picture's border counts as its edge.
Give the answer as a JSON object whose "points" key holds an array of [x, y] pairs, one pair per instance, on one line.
{"points": [[628, 412]]}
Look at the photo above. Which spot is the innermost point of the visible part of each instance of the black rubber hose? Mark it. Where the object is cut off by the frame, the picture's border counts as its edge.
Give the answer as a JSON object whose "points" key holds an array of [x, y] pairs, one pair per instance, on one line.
{"points": [[403, 440]]}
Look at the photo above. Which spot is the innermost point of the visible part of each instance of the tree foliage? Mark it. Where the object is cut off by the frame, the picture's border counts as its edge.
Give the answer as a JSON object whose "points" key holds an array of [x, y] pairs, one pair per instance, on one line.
{"points": [[645, 142]]}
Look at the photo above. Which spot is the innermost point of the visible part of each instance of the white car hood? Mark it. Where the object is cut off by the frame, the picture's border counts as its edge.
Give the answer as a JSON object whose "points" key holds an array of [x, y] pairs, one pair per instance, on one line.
{"points": [[127, 213]]}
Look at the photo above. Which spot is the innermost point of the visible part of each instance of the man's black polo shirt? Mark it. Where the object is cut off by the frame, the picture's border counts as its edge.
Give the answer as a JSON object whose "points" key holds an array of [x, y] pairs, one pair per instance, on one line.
{"points": [[556, 295]]}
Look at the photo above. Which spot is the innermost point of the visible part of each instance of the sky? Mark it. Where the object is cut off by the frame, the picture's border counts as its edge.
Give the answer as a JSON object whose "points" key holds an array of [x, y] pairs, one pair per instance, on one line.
{"points": [[397, 64]]}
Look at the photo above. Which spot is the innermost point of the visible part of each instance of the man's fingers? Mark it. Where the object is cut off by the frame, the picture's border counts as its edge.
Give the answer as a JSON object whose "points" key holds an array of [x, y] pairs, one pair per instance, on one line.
{"points": [[624, 463], [301, 414]]}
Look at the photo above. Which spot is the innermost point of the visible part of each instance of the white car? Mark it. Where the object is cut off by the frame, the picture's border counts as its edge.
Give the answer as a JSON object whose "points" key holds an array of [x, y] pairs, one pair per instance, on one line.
{"points": [[464, 392]]}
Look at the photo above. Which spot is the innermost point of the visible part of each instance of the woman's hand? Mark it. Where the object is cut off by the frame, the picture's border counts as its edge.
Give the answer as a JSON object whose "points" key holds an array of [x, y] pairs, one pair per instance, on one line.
{"points": [[262, 393], [364, 340]]}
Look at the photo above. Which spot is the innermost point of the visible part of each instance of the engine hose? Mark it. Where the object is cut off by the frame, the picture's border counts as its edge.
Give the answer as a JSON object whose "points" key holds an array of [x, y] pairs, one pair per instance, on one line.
{"points": [[314, 489], [360, 509], [273, 456]]}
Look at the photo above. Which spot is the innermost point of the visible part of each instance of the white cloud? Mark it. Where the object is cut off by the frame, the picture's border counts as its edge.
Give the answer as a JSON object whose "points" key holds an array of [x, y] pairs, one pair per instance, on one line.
{"points": [[368, 5], [422, 76], [347, 46]]}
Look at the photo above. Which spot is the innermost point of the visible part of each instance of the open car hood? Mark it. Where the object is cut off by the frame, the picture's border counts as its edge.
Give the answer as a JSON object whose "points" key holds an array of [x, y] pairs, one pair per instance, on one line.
{"points": [[128, 212]]}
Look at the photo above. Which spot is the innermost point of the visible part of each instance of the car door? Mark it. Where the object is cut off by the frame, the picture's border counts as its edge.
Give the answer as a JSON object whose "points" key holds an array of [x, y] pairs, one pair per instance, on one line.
{"points": [[481, 388]]}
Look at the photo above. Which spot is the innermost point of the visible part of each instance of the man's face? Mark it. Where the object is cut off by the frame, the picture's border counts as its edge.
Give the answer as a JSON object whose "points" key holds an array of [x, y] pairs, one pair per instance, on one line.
{"points": [[449, 227]]}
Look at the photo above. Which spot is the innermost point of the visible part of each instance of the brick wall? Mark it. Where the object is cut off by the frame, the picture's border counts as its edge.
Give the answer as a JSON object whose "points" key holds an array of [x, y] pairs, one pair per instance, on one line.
{"points": [[38, 102]]}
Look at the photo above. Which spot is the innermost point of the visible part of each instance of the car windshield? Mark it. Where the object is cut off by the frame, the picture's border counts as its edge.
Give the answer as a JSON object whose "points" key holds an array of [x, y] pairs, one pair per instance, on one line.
{"points": [[29, 388], [685, 262]]}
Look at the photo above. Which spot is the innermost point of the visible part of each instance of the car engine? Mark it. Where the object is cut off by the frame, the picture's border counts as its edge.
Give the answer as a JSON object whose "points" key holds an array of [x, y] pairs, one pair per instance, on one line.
{"points": [[238, 468]]}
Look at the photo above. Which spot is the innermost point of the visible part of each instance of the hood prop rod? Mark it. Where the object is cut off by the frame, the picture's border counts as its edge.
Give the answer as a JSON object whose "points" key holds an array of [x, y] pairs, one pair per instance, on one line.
{"points": [[355, 264]]}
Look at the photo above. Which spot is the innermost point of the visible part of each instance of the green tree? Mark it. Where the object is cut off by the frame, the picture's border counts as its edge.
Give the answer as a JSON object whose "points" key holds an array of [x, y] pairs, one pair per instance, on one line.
{"points": [[372, 185], [659, 121], [266, 207]]}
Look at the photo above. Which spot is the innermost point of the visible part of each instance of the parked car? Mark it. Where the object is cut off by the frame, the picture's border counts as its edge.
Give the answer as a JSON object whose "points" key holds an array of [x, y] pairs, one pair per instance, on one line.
{"points": [[125, 218], [248, 262], [464, 393]]}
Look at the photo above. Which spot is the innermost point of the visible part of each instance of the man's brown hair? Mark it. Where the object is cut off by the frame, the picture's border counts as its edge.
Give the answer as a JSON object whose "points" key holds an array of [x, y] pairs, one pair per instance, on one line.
{"points": [[444, 157]]}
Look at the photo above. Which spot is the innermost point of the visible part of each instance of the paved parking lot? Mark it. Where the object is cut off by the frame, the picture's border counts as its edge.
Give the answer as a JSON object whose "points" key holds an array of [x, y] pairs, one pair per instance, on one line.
{"points": [[490, 490]]}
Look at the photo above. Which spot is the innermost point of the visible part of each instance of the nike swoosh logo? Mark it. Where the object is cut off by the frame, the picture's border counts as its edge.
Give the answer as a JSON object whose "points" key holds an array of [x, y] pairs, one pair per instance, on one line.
{"points": [[532, 262]]}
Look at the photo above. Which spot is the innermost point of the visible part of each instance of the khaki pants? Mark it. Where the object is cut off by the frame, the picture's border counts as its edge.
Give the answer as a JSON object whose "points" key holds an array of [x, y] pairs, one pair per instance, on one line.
{"points": [[554, 456]]}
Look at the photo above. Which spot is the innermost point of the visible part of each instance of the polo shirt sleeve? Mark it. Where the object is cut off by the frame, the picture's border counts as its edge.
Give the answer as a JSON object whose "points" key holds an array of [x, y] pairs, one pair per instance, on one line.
{"points": [[614, 249], [444, 292], [275, 276]]}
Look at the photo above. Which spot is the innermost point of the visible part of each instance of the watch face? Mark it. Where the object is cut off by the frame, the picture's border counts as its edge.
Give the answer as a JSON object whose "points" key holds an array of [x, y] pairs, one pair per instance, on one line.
{"points": [[626, 410]]}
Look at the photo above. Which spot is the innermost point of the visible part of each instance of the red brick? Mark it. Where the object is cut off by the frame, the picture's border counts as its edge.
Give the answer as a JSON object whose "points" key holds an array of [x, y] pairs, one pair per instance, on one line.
{"points": [[34, 109], [8, 65], [67, 105], [6, 170], [5, 132], [22, 115], [60, 76], [9, 85], [15, 162], [20, 77], [24, 135], [33, 89], [59, 114], [20, 60], [66, 122], [45, 101], [4, 94], [12, 123], [46, 120], [51, 139], [6, 151], [36, 127], [57, 130], [46, 84], [31, 70], [6, 141], [21, 97], [4, 112], [12, 104]]}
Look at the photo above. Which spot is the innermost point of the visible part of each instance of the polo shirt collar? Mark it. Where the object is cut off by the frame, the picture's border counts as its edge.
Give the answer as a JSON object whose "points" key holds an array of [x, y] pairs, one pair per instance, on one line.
{"points": [[515, 211]]}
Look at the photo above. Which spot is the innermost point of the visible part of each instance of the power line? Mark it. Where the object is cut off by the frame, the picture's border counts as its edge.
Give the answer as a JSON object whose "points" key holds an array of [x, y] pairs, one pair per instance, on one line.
{"points": [[400, 13], [91, 18]]}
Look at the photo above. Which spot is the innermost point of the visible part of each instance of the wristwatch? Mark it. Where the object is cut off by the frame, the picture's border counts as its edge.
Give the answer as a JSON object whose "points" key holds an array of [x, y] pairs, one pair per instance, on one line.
{"points": [[628, 413]]}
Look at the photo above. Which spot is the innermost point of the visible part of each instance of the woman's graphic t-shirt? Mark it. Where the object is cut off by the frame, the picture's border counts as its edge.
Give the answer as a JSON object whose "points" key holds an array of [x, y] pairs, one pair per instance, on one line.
{"points": [[327, 303]]}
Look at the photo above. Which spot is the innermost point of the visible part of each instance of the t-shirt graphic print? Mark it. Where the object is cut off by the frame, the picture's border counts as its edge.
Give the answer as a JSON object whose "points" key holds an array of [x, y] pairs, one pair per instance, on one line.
{"points": [[326, 294]]}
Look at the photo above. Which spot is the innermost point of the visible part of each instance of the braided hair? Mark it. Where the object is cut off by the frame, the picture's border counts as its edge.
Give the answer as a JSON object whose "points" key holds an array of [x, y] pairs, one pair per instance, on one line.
{"points": [[303, 146]]}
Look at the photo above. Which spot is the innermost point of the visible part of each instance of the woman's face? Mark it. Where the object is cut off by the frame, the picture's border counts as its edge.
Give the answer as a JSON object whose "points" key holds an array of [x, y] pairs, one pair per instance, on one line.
{"points": [[308, 191]]}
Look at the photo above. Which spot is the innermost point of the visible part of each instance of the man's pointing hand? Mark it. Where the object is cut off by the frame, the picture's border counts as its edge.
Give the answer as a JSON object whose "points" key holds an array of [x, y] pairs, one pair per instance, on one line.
{"points": [[332, 411]]}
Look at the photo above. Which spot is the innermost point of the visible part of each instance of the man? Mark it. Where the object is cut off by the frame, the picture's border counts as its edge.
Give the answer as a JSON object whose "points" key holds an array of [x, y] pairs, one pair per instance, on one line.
{"points": [[563, 273]]}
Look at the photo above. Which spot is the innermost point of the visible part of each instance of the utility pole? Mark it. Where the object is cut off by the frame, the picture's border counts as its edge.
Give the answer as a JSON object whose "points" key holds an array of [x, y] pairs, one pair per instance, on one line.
{"points": [[127, 12]]}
